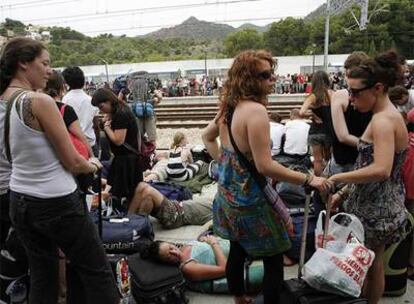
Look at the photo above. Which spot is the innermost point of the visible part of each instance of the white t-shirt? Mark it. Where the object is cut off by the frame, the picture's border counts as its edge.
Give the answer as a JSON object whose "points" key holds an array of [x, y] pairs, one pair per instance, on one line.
{"points": [[296, 141], [276, 132], [81, 103]]}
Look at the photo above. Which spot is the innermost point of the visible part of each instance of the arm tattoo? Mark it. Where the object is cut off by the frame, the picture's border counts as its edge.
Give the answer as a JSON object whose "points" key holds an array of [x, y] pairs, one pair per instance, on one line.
{"points": [[28, 116]]}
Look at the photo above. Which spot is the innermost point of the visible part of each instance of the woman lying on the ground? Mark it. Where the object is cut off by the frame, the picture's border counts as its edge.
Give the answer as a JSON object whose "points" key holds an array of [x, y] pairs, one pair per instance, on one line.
{"points": [[201, 262]]}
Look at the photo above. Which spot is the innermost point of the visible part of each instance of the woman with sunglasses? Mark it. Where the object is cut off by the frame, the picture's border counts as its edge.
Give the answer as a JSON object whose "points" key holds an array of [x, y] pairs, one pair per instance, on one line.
{"points": [[348, 125], [375, 193], [318, 107], [241, 212]]}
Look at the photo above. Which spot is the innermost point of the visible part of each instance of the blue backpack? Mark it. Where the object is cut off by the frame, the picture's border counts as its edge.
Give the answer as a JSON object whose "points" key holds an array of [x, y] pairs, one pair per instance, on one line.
{"points": [[172, 191], [143, 109]]}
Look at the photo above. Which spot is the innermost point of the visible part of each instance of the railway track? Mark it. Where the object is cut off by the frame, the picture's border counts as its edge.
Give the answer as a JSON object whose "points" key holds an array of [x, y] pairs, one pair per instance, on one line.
{"points": [[198, 111]]}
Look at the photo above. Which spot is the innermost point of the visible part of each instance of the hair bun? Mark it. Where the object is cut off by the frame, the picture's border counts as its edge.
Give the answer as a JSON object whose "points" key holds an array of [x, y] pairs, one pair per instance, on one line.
{"points": [[389, 59]]}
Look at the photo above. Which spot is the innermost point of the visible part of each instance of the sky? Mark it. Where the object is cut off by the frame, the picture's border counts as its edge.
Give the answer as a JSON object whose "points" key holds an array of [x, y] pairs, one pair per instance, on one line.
{"points": [[139, 17]]}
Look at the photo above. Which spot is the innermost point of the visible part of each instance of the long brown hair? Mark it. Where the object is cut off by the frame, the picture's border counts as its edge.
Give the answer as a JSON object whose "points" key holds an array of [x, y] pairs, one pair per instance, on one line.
{"points": [[17, 50], [102, 95], [243, 82], [320, 87]]}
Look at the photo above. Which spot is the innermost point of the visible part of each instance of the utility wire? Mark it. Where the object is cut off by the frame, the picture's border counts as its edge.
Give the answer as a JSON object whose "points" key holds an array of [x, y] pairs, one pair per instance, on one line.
{"points": [[33, 3]]}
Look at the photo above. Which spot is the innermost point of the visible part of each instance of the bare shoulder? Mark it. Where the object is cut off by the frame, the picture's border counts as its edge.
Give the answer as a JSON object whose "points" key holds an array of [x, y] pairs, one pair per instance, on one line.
{"points": [[40, 98], [385, 120], [340, 96], [253, 108]]}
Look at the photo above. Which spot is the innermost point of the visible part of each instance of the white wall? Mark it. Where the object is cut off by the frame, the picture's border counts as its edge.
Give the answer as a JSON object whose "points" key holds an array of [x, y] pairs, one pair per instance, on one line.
{"points": [[286, 65]]}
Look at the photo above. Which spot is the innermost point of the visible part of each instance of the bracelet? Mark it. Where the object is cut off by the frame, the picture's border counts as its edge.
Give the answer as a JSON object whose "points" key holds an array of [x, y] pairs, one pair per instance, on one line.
{"points": [[96, 167], [308, 179]]}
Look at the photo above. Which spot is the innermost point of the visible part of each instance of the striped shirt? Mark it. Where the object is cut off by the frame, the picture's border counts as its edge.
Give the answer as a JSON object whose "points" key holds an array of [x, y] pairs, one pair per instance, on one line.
{"points": [[177, 170]]}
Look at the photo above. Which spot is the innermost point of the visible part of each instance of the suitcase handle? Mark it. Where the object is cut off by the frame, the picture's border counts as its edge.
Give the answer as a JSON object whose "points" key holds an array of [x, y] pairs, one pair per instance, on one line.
{"points": [[98, 177], [308, 191]]}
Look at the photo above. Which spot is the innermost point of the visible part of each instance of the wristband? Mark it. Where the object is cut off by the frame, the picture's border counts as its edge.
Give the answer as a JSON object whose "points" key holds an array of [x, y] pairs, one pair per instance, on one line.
{"points": [[96, 167], [308, 179]]}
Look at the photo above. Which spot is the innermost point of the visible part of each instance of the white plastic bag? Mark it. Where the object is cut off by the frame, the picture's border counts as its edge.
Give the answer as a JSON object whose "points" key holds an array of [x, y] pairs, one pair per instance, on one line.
{"points": [[341, 268], [342, 227]]}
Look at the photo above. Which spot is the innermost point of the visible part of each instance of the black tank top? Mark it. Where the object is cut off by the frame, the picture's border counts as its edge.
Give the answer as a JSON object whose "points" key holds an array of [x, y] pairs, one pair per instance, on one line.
{"points": [[326, 127], [356, 123]]}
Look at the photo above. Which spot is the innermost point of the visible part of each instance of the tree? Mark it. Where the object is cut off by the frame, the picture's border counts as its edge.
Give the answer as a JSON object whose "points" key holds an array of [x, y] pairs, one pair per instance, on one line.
{"points": [[246, 39], [287, 37]]}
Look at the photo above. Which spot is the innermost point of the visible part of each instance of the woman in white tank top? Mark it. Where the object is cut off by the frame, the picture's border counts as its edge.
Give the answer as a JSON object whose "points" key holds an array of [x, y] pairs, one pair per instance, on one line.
{"points": [[46, 209]]}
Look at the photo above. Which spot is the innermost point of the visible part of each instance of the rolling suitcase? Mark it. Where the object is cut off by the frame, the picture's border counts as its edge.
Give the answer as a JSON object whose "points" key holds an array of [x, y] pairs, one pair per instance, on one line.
{"points": [[296, 290], [156, 283]]}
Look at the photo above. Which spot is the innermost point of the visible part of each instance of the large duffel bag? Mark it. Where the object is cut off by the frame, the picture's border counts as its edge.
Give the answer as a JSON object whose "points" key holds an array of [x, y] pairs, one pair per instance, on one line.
{"points": [[172, 191], [156, 283], [125, 234]]}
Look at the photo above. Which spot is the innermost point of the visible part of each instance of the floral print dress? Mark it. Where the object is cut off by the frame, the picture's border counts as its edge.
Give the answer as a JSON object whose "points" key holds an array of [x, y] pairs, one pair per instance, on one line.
{"points": [[241, 212], [379, 205]]}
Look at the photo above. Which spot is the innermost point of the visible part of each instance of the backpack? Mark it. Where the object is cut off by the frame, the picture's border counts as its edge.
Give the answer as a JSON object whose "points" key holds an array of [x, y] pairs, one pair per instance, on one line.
{"points": [[143, 109], [118, 84], [172, 191]]}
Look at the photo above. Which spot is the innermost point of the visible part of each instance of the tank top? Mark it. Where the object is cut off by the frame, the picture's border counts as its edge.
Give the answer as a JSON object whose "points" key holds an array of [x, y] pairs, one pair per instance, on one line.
{"points": [[36, 169], [5, 167], [356, 123], [326, 127]]}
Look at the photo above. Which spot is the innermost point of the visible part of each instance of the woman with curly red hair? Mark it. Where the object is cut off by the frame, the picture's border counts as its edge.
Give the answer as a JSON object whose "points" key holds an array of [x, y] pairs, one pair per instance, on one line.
{"points": [[241, 212]]}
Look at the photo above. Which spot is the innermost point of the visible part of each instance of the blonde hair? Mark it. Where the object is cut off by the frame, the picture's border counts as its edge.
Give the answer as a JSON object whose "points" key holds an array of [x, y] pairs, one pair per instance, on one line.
{"points": [[177, 139]]}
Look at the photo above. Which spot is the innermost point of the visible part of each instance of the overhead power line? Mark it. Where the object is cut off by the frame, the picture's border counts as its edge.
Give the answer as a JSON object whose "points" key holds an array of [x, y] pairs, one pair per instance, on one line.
{"points": [[33, 3], [99, 15]]}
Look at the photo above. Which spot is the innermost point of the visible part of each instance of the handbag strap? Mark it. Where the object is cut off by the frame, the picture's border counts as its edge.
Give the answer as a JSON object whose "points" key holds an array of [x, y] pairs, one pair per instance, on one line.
{"points": [[259, 178], [131, 148], [10, 101]]}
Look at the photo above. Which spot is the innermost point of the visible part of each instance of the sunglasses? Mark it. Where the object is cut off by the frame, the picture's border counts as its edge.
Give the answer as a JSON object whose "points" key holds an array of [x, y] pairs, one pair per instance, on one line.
{"points": [[265, 75], [356, 92]]}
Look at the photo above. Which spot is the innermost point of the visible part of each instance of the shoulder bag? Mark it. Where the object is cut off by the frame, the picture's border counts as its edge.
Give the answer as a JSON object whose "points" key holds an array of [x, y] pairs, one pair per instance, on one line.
{"points": [[269, 192]]}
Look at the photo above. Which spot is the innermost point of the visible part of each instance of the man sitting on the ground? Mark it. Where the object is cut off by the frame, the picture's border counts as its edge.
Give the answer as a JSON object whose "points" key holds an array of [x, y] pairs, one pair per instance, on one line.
{"points": [[277, 130], [295, 144], [171, 214]]}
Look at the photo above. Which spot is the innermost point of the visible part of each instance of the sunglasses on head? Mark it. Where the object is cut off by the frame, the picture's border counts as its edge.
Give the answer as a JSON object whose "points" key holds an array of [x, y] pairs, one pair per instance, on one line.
{"points": [[356, 92], [266, 74]]}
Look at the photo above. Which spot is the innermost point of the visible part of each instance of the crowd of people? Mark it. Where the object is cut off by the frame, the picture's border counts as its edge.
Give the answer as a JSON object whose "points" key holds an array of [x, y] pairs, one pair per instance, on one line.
{"points": [[358, 142], [296, 83]]}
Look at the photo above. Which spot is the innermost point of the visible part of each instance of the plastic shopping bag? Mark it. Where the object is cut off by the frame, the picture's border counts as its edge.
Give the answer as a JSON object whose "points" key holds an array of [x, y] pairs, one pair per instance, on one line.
{"points": [[341, 268], [342, 227]]}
